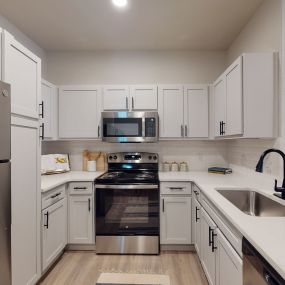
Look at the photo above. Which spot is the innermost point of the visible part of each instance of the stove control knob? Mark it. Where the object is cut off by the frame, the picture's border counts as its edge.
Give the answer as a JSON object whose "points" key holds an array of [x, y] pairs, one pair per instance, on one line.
{"points": [[110, 157], [150, 157], [115, 157], [155, 157]]}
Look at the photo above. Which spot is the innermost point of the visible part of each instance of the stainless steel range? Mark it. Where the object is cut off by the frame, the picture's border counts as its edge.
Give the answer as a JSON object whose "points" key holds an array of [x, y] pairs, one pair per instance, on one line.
{"points": [[127, 205]]}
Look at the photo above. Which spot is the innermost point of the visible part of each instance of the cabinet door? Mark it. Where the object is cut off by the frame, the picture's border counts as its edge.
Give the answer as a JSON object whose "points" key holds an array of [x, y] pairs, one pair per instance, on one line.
{"points": [[175, 220], [196, 112], [170, 108], [48, 109], [220, 99], [234, 123], [26, 212], [229, 264], [54, 232], [208, 254], [22, 69], [80, 219], [144, 97], [79, 111], [116, 98], [196, 219]]}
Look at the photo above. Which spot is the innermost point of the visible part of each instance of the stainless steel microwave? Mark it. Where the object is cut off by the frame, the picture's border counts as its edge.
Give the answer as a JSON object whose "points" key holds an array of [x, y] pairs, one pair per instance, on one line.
{"points": [[130, 127]]}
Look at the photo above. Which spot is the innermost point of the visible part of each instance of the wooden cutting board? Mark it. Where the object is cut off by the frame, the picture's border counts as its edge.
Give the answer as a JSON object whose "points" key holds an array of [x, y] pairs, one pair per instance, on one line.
{"points": [[99, 156]]}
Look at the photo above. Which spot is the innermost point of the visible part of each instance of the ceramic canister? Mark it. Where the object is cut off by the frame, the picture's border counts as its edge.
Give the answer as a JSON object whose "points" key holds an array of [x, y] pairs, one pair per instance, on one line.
{"points": [[166, 166], [183, 166], [91, 165], [174, 166]]}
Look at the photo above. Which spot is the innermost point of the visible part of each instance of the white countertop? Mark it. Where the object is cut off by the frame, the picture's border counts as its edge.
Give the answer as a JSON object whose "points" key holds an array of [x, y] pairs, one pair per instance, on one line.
{"points": [[49, 182], [267, 234]]}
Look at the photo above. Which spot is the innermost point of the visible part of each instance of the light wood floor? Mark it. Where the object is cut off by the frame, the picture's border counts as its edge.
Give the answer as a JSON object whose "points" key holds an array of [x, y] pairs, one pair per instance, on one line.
{"points": [[84, 268]]}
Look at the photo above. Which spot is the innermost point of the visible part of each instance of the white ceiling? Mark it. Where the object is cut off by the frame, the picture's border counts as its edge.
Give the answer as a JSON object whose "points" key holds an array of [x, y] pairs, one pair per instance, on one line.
{"points": [[145, 24]]}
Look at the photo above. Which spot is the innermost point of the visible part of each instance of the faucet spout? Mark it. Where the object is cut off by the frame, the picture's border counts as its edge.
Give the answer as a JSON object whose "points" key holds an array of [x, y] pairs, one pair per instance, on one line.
{"points": [[259, 168]]}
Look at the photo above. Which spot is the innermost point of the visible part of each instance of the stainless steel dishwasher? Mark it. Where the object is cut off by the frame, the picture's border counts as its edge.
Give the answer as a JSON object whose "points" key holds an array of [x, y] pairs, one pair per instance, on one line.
{"points": [[256, 270]]}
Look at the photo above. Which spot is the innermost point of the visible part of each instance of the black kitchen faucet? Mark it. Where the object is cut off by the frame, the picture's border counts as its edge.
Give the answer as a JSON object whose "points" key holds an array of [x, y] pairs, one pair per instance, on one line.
{"points": [[259, 168]]}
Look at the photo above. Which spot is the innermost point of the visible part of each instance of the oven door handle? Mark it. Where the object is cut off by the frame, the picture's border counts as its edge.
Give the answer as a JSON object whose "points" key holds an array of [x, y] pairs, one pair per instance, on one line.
{"points": [[130, 187]]}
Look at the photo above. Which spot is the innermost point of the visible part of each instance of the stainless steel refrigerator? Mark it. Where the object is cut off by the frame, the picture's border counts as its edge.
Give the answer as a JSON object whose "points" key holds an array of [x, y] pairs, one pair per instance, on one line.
{"points": [[5, 184]]}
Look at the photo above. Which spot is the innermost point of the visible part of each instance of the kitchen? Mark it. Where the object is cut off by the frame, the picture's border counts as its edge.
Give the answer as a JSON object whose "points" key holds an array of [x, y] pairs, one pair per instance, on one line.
{"points": [[149, 97]]}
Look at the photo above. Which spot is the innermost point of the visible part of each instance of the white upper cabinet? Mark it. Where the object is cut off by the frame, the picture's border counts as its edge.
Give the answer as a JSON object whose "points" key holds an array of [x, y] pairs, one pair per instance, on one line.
{"points": [[22, 69], [219, 89], [143, 97], [170, 108], [196, 111], [48, 109], [245, 97], [234, 110], [116, 97], [79, 111]]}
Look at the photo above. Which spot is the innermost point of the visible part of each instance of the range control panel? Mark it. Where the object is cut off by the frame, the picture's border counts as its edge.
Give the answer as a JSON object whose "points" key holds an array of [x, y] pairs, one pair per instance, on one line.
{"points": [[142, 157]]}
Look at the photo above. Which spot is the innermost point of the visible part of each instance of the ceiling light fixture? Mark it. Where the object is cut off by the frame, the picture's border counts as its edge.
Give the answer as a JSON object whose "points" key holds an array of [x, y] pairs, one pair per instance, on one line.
{"points": [[120, 3]]}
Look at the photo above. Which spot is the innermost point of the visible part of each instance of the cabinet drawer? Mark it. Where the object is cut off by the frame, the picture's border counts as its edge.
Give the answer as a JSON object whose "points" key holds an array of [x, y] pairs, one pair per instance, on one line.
{"points": [[196, 191], [53, 196], [175, 188], [79, 188]]}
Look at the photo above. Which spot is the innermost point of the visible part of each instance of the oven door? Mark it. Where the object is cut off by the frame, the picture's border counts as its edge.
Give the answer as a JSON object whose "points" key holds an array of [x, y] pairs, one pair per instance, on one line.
{"points": [[127, 210]]}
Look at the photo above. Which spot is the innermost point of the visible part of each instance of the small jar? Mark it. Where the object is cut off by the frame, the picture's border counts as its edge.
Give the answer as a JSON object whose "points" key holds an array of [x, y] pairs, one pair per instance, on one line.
{"points": [[183, 166], [166, 166], [174, 166]]}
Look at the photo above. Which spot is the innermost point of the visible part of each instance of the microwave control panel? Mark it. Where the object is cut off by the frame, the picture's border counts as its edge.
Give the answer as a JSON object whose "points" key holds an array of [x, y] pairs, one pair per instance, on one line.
{"points": [[150, 127]]}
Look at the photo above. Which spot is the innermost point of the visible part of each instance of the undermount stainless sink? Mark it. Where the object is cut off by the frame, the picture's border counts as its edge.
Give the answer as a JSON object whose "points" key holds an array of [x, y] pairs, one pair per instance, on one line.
{"points": [[253, 203]]}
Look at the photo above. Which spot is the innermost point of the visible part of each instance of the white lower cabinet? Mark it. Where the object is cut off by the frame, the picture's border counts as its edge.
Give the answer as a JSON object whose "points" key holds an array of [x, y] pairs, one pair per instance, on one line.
{"points": [[208, 254], [196, 228], [81, 219], [229, 264], [175, 220], [54, 232]]}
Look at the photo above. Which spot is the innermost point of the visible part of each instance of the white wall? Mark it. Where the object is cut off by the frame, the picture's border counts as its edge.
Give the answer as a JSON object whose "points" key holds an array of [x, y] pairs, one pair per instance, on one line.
{"points": [[26, 41], [262, 33], [198, 154], [132, 67]]}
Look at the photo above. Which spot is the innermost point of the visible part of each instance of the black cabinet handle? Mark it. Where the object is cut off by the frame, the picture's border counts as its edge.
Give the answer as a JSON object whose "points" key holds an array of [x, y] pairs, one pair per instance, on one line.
{"points": [[213, 241], [56, 195], [223, 128], [210, 236], [196, 218], [220, 128], [163, 205], [133, 103], [89, 205], [80, 188], [47, 220], [42, 126], [42, 109], [98, 131]]}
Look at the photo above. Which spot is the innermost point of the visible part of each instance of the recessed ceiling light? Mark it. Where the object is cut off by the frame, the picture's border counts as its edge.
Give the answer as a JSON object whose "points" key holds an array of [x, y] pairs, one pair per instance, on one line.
{"points": [[120, 3]]}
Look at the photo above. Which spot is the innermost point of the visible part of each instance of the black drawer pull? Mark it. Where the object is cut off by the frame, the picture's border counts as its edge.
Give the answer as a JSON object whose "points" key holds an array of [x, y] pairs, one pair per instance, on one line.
{"points": [[89, 204], [56, 195], [80, 188]]}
